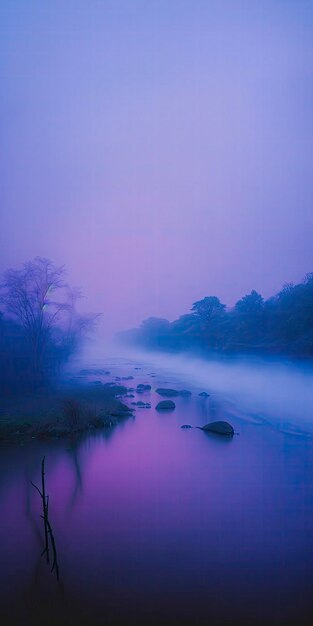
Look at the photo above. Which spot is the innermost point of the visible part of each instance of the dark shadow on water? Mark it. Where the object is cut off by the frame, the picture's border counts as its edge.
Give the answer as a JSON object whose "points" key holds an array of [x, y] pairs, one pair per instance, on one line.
{"points": [[216, 439], [73, 452]]}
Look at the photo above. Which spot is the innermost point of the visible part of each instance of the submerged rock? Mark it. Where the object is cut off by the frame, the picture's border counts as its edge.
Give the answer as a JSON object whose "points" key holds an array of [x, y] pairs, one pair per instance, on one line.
{"points": [[185, 393], [204, 394], [170, 393], [186, 426], [220, 428], [114, 389], [165, 405]]}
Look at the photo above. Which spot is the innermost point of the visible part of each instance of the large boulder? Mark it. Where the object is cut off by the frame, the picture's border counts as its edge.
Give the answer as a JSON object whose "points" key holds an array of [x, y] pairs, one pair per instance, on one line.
{"points": [[185, 393], [165, 405], [220, 428]]}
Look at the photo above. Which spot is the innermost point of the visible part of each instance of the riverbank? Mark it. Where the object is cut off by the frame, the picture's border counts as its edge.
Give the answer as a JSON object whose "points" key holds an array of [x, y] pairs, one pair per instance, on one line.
{"points": [[69, 410]]}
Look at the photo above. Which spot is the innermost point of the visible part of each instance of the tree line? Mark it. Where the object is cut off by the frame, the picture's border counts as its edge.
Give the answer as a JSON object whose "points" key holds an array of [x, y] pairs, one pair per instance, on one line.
{"points": [[282, 324], [40, 327]]}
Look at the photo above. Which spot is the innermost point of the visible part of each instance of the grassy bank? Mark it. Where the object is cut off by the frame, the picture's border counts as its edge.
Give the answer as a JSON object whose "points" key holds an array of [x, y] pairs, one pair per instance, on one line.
{"points": [[67, 410]]}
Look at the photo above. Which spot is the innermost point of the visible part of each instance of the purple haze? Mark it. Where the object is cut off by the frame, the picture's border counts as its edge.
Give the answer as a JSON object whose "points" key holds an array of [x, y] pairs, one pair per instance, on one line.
{"points": [[160, 150]]}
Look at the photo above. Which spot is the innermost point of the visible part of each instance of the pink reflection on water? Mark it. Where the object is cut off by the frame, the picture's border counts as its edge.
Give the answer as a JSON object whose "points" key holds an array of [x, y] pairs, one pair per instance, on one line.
{"points": [[152, 519]]}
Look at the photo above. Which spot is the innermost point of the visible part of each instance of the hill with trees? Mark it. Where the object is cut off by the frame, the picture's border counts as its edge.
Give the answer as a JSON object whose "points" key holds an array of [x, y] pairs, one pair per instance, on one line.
{"points": [[280, 325]]}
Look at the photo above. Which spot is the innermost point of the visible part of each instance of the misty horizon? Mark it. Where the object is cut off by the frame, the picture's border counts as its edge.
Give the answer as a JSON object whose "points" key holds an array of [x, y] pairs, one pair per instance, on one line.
{"points": [[160, 151]]}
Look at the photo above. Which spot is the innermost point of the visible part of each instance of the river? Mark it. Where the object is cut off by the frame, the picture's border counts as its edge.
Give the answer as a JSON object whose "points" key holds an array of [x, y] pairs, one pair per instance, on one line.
{"points": [[155, 524]]}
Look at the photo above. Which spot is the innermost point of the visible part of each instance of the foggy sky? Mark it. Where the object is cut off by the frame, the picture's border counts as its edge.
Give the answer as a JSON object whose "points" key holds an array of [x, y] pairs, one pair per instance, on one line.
{"points": [[160, 149]]}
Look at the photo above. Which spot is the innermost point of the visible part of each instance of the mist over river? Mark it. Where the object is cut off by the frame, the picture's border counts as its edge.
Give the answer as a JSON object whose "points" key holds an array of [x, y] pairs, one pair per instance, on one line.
{"points": [[155, 524]]}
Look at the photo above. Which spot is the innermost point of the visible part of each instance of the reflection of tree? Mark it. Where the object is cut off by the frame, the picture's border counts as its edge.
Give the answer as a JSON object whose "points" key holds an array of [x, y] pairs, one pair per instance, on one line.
{"points": [[78, 485], [210, 409], [38, 537], [204, 408]]}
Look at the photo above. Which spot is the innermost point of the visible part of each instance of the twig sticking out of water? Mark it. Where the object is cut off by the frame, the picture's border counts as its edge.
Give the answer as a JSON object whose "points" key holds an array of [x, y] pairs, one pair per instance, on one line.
{"points": [[47, 525]]}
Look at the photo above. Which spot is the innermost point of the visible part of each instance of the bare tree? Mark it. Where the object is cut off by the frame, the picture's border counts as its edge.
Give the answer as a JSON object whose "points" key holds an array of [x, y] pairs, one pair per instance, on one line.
{"points": [[40, 300]]}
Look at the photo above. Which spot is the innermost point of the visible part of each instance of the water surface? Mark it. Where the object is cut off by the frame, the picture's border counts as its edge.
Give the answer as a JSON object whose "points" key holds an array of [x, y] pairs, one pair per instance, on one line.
{"points": [[155, 524]]}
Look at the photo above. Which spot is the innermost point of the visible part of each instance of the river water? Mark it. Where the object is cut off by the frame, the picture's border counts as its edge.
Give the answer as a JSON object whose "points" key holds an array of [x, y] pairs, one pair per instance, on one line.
{"points": [[155, 524]]}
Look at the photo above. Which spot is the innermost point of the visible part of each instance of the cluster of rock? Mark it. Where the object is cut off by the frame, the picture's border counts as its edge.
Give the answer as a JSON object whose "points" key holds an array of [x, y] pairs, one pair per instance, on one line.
{"points": [[142, 388], [123, 411]]}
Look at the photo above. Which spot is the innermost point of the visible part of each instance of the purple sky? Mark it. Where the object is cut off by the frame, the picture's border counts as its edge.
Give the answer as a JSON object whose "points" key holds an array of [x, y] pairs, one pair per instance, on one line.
{"points": [[160, 149]]}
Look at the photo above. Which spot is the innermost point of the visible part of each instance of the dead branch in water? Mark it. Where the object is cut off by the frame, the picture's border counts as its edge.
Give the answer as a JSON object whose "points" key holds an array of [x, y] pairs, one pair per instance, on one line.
{"points": [[47, 526]]}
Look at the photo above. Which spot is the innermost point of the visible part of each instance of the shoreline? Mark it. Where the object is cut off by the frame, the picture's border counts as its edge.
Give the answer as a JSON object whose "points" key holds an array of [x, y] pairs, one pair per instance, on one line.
{"points": [[69, 410]]}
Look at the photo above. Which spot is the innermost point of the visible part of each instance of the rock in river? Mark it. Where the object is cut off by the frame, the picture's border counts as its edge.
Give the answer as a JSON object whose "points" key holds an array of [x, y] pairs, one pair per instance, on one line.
{"points": [[165, 405], [220, 428], [170, 393]]}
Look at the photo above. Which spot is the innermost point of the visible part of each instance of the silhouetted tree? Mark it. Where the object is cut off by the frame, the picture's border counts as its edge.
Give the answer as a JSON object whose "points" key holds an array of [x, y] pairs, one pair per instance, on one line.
{"points": [[207, 308], [42, 304], [248, 316], [283, 324]]}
